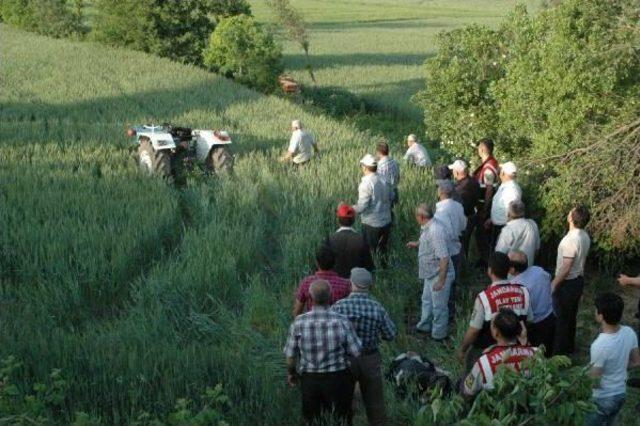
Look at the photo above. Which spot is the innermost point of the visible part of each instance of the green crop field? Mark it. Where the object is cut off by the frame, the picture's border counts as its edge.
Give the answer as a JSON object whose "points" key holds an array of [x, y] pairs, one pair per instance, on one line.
{"points": [[143, 292]]}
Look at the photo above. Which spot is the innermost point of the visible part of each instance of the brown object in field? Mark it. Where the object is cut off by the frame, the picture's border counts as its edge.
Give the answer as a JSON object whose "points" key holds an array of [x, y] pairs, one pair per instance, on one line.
{"points": [[288, 84]]}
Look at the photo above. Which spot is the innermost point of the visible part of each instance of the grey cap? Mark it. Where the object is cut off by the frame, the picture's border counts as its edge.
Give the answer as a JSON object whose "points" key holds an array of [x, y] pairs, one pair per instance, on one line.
{"points": [[361, 278]]}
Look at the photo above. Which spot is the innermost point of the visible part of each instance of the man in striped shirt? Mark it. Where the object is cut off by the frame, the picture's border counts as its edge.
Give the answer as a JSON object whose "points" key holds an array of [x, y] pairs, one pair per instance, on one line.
{"points": [[323, 369], [435, 269], [371, 322]]}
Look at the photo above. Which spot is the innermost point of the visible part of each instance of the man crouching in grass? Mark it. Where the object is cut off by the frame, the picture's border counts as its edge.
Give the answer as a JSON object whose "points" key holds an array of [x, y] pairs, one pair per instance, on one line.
{"points": [[612, 353]]}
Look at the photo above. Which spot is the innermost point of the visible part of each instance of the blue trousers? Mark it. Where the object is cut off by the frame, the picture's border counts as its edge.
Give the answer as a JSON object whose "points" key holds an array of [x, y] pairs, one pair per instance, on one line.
{"points": [[435, 309], [607, 409]]}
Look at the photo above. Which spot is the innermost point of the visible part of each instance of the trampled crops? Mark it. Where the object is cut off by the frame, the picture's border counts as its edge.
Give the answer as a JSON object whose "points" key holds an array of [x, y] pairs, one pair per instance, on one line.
{"points": [[139, 291]]}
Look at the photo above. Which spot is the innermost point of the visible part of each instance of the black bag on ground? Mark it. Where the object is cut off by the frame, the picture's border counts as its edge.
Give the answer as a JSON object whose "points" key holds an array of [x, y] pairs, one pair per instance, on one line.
{"points": [[415, 376]]}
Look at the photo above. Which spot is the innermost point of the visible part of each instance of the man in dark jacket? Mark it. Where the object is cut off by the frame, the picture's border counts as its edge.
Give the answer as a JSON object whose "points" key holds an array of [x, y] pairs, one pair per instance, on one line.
{"points": [[467, 189], [348, 246]]}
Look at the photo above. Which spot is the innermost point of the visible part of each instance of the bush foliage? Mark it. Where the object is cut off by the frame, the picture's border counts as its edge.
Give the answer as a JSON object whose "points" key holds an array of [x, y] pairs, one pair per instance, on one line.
{"points": [[239, 48], [545, 87], [54, 18], [552, 392]]}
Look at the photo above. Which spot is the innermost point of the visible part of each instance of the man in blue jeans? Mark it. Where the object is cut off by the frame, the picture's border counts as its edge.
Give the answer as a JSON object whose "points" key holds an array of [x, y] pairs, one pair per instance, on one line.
{"points": [[612, 354], [435, 270]]}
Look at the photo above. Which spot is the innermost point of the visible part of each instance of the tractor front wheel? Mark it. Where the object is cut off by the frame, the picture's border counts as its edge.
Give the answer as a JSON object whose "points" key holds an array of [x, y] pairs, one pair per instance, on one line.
{"points": [[152, 161], [220, 161]]}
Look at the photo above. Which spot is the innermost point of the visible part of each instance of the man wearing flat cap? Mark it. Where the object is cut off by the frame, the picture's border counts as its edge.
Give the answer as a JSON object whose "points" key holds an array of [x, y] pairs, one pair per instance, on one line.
{"points": [[374, 207], [348, 246], [371, 322]]}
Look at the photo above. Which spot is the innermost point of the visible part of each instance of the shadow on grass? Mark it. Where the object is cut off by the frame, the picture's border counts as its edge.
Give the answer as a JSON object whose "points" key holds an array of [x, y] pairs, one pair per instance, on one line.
{"points": [[299, 61]]}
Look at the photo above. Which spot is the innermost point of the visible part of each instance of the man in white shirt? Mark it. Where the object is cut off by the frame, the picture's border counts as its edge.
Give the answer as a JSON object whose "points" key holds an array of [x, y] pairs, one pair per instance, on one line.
{"points": [[519, 233], [301, 145], [568, 283], [374, 207], [451, 214], [613, 352], [416, 154], [508, 191]]}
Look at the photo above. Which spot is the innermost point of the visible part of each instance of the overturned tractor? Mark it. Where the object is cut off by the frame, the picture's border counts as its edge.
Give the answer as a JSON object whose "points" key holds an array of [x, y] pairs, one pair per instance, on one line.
{"points": [[160, 146]]}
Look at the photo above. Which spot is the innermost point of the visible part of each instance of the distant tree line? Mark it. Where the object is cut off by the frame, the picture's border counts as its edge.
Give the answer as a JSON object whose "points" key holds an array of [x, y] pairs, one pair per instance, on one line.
{"points": [[559, 92], [181, 30]]}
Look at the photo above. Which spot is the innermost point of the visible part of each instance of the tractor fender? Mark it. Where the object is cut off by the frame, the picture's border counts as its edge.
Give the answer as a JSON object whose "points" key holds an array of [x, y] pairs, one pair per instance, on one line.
{"points": [[159, 140], [206, 140]]}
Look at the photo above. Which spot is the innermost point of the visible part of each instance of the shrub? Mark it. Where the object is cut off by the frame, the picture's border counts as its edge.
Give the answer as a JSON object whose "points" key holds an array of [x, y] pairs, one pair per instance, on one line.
{"points": [[175, 29], [543, 87], [54, 18], [239, 48], [552, 393]]}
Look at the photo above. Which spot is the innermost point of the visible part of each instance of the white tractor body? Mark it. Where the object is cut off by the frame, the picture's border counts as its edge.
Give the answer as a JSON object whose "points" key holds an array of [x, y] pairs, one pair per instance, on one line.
{"points": [[207, 140], [159, 140]]}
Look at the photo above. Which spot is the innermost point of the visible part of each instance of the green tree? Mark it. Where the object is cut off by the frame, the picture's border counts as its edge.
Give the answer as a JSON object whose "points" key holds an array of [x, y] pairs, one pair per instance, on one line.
{"points": [[291, 20], [54, 18], [552, 89], [239, 48], [175, 29]]}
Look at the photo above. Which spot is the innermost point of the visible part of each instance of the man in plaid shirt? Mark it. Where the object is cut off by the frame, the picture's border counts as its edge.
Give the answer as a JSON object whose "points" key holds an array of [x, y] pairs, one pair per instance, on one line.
{"points": [[371, 322], [340, 287], [320, 342]]}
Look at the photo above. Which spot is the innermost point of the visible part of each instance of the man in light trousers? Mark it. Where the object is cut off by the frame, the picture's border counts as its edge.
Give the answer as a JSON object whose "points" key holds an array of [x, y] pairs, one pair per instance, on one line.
{"points": [[436, 270]]}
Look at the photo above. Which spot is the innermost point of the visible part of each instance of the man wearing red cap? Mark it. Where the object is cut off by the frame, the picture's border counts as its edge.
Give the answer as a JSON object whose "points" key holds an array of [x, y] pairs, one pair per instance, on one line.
{"points": [[348, 246]]}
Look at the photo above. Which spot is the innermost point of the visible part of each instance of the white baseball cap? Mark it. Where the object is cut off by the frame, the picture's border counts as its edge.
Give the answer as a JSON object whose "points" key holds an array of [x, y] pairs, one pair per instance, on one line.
{"points": [[369, 161], [509, 168], [458, 166]]}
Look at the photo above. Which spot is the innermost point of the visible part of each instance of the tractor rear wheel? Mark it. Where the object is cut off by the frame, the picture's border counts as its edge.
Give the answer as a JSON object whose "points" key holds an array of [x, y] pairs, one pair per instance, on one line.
{"points": [[152, 161], [220, 160]]}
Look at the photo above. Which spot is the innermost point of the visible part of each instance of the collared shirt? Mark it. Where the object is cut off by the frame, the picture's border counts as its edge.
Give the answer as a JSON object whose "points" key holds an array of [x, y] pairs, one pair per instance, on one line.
{"points": [[369, 318], [389, 169], [322, 339], [418, 155], [451, 214], [520, 234], [538, 282], [374, 201], [507, 192], [574, 245], [340, 287], [432, 248], [468, 190], [301, 145]]}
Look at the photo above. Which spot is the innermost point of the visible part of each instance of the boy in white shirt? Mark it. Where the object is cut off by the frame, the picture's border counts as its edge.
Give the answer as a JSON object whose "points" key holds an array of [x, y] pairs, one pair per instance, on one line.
{"points": [[612, 354]]}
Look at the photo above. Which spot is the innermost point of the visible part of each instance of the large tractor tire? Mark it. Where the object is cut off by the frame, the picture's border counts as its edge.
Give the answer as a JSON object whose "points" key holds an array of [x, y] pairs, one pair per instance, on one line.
{"points": [[153, 162], [220, 161]]}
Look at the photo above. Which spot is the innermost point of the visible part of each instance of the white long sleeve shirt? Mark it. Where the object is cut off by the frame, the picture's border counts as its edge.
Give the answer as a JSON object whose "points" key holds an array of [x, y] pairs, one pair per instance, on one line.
{"points": [[507, 192], [451, 214], [374, 201]]}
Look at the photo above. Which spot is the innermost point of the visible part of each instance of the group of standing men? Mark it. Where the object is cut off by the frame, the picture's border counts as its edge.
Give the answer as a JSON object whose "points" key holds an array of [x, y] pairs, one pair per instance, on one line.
{"points": [[335, 343]]}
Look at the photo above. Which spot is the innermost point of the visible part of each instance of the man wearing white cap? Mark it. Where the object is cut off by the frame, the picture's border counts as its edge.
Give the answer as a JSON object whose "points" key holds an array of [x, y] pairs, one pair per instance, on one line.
{"points": [[467, 189], [508, 191], [416, 154], [374, 206], [301, 145]]}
